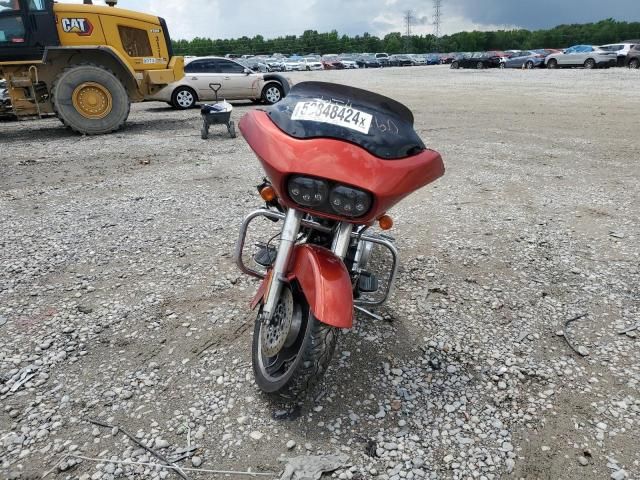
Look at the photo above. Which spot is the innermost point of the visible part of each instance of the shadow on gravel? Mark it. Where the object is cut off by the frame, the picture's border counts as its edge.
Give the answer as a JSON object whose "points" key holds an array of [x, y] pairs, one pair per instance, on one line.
{"points": [[352, 381], [38, 134], [196, 108]]}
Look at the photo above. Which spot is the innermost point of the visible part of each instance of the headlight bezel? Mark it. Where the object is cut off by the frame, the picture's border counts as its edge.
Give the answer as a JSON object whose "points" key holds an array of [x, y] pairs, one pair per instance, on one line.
{"points": [[358, 202]]}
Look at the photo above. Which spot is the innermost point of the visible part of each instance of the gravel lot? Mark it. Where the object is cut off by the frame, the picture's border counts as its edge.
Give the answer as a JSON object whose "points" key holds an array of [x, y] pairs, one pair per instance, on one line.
{"points": [[119, 300]]}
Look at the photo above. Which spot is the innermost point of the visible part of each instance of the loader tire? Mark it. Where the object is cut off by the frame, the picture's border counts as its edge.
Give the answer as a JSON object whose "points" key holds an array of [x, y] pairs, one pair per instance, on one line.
{"points": [[90, 99]]}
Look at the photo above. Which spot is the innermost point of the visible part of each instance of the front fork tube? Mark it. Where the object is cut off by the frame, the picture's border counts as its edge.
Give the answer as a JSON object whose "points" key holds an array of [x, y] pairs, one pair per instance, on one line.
{"points": [[288, 237], [290, 229], [342, 240]]}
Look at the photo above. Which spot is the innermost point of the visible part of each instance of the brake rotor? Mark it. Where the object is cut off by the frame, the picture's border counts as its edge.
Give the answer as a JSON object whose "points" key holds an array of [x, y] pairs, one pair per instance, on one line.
{"points": [[274, 335]]}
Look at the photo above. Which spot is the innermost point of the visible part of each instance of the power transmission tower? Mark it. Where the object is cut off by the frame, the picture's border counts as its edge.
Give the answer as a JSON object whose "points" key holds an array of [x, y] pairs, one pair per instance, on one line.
{"points": [[408, 20], [437, 20]]}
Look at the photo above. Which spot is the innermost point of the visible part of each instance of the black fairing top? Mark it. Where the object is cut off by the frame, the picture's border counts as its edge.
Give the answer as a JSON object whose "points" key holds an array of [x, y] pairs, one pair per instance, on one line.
{"points": [[390, 134]]}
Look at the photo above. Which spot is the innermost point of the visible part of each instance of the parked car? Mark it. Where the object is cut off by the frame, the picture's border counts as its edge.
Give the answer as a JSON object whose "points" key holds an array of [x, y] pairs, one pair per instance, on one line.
{"points": [[399, 61], [383, 58], [368, 61], [237, 83], [254, 64], [621, 49], [545, 52], [311, 64], [433, 59], [349, 62], [418, 60], [448, 58], [525, 59], [586, 56], [478, 60], [633, 57], [275, 64], [332, 62], [291, 65]]}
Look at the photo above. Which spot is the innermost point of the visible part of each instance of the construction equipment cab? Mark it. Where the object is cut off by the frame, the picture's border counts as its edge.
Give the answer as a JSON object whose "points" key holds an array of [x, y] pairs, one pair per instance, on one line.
{"points": [[85, 63]]}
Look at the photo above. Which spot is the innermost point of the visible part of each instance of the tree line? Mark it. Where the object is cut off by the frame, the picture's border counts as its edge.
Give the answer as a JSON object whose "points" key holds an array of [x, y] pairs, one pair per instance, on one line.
{"points": [[562, 36]]}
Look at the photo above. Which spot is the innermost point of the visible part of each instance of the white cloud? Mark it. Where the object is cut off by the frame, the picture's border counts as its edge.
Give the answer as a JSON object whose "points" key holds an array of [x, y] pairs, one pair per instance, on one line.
{"points": [[273, 18]]}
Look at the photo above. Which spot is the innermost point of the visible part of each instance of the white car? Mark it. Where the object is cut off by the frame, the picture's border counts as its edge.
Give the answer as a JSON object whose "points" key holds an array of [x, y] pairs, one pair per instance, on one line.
{"points": [[349, 63], [586, 56], [621, 50], [292, 65], [311, 64], [236, 83]]}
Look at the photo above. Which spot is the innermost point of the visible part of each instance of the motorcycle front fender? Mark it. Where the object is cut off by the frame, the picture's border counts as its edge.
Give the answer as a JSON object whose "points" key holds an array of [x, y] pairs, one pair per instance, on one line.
{"points": [[325, 284]]}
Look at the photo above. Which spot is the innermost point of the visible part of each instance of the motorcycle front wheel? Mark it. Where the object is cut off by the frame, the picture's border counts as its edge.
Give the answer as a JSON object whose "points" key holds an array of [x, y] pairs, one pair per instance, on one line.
{"points": [[292, 353]]}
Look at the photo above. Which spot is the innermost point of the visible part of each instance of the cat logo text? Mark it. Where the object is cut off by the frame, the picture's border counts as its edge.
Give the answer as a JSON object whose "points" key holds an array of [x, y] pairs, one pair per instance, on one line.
{"points": [[81, 26]]}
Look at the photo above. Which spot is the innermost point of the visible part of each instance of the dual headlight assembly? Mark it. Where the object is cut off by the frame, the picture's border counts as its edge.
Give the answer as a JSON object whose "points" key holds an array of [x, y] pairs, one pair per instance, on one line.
{"points": [[328, 197]]}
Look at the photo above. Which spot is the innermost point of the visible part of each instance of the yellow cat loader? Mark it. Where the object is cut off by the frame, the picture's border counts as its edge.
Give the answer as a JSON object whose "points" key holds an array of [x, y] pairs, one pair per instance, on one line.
{"points": [[84, 63]]}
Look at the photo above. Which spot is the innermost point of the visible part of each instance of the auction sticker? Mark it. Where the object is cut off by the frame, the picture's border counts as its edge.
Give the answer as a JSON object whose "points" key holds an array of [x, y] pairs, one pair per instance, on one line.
{"points": [[333, 114]]}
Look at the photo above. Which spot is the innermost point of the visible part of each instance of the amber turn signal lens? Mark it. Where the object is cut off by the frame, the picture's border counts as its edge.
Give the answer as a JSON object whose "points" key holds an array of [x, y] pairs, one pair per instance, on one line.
{"points": [[385, 222], [268, 194]]}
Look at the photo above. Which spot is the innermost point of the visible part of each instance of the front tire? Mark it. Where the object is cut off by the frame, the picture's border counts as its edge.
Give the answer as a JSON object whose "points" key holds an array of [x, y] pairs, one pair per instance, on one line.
{"points": [[90, 99], [455, 65], [301, 363], [552, 64], [183, 98], [634, 63], [529, 65], [272, 93], [479, 65]]}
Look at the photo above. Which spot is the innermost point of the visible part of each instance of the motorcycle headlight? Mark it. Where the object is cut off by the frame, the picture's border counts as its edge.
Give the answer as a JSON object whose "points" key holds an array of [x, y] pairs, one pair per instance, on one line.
{"points": [[308, 192], [349, 201], [329, 197]]}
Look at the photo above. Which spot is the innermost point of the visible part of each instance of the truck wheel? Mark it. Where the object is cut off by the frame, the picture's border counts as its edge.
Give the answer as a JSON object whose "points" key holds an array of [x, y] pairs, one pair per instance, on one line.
{"points": [[90, 99]]}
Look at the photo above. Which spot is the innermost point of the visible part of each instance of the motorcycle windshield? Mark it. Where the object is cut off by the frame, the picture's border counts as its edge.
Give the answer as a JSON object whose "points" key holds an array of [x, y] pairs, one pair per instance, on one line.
{"points": [[376, 123]]}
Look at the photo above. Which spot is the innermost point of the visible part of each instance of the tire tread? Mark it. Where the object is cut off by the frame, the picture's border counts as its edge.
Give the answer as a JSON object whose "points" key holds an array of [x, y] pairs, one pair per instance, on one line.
{"points": [[315, 360], [64, 122]]}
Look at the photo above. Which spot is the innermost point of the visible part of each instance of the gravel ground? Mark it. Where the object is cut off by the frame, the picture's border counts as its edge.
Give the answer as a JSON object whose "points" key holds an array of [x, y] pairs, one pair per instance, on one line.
{"points": [[119, 300]]}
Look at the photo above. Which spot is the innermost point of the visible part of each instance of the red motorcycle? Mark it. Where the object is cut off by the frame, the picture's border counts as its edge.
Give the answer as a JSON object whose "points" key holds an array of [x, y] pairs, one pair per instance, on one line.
{"points": [[337, 159]]}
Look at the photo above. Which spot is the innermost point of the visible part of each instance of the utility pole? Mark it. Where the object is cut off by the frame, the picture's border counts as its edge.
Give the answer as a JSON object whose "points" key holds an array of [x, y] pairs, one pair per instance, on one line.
{"points": [[437, 20]]}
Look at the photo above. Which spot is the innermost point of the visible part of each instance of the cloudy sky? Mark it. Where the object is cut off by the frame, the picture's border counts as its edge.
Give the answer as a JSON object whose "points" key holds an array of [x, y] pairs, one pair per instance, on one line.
{"points": [[272, 18]]}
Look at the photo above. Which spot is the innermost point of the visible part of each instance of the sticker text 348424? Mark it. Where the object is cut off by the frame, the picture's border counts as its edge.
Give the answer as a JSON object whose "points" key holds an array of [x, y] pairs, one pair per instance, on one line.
{"points": [[333, 114]]}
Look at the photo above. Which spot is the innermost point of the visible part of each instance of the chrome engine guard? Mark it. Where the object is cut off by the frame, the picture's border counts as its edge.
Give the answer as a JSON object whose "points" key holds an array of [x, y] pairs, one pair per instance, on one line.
{"points": [[273, 215]]}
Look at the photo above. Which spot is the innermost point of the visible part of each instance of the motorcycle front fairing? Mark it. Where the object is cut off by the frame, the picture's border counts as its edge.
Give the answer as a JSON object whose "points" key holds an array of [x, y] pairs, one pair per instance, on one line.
{"points": [[384, 157]]}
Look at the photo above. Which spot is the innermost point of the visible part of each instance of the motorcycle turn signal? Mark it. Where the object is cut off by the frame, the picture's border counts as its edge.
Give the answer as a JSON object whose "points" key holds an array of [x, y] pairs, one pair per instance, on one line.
{"points": [[385, 222], [268, 193]]}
